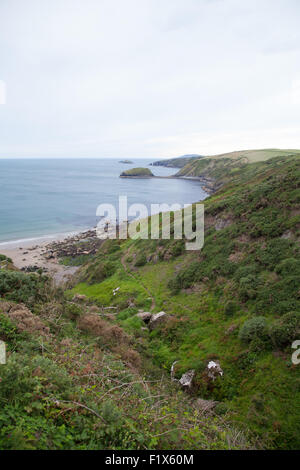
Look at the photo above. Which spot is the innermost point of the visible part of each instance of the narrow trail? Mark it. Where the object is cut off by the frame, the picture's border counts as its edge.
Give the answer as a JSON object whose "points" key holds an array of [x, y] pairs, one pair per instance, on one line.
{"points": [[153, 304], [127, 270]]}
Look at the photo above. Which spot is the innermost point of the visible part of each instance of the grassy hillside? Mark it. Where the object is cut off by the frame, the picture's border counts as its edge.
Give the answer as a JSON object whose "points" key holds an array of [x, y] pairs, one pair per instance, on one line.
{"points": [[178, 162], [85, 372], [236, 301], [254, 156], [75, 379], [223, 168]]}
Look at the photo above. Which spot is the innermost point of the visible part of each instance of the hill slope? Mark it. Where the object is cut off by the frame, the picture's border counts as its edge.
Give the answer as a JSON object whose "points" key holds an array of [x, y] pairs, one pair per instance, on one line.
{"points": [[222, 168], [74, 379], [84, 370], [236, 301], [177, 162], [254, 156]]}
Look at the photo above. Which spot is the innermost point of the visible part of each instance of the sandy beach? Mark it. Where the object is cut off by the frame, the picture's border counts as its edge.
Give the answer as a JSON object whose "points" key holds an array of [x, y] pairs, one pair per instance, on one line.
{"points": [[45, 252], [29, 254]]}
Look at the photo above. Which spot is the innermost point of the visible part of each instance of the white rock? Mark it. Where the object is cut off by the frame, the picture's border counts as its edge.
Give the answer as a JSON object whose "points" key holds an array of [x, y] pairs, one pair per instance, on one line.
{"points": [[173, 372], [186, 380], [214, 370], [145, 316], [157, 318]]}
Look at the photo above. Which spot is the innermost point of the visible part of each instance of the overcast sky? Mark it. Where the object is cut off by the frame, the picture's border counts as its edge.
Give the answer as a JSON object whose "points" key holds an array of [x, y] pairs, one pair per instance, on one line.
{"points": [[148, 78]]}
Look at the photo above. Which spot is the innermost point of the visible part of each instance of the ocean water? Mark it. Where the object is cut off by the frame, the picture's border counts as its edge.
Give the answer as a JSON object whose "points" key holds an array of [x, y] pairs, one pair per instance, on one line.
{"points": [[45, 197]]}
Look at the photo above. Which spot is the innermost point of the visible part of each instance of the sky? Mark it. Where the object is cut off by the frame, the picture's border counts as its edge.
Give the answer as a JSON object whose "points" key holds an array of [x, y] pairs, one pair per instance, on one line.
{"points": [[148, 78]]}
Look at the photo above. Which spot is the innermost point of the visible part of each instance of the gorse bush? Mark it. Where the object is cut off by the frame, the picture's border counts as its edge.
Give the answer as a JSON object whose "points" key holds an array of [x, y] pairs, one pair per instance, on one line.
{"points": [[98, 271], [289, 267], [141, 260], [20, 287], [5, 258], [253, 329], [230, 308], [286, 330], [8, 331]]}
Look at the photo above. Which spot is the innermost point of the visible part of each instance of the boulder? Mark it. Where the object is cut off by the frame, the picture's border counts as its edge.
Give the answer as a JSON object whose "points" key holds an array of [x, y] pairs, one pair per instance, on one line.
{"points": [[214, 370], [186, 380], [157, 319], [145, 316]]}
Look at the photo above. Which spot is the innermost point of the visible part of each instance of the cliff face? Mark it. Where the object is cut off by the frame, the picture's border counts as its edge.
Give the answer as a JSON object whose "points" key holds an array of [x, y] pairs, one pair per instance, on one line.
{"points": [[178, 162]]}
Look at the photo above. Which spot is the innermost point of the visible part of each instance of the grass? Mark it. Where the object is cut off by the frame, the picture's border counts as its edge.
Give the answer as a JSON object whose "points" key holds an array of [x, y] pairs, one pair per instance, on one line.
{"points": [[247, 270], [79, 383], [254, 156], [82, 376]]}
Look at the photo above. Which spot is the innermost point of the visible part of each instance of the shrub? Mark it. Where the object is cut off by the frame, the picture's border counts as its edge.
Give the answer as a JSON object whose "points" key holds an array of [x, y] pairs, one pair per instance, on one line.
{"points": [[73, 310], [221, 409], [141, 260], [21, 287], [253, 329], [98, 271], [5, 258], [289, 266], [247, 289], [177, 248], [230, 308], [106, 332], [286, 330], [8, 330], [275, 251], [185, 278]]}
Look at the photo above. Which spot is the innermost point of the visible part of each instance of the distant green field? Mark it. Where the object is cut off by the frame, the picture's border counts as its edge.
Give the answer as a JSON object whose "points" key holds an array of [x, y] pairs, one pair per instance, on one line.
{"points": [[254, 156], [221, 166]]}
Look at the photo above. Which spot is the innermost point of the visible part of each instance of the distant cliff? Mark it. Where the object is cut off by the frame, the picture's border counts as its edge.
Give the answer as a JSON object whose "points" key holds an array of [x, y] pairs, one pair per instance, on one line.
{"points": [[178, 162]]}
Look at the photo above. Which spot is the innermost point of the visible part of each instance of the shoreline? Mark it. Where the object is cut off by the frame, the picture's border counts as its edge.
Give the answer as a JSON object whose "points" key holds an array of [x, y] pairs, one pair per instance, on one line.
{"points": [[39, 239], [44, 253]]}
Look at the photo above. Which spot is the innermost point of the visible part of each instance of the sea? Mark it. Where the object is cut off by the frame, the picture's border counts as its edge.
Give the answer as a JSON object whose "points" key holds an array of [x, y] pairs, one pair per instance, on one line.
{"points": [[46, 198]]}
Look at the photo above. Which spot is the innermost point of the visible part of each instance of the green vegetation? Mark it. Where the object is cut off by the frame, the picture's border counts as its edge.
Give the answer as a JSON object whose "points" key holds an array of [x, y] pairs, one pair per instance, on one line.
{"points": [[236, 301], [75, 260], [87, 373], [75, 379], [25, 288], [178, 162], [224, 167], [137, 173]]}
